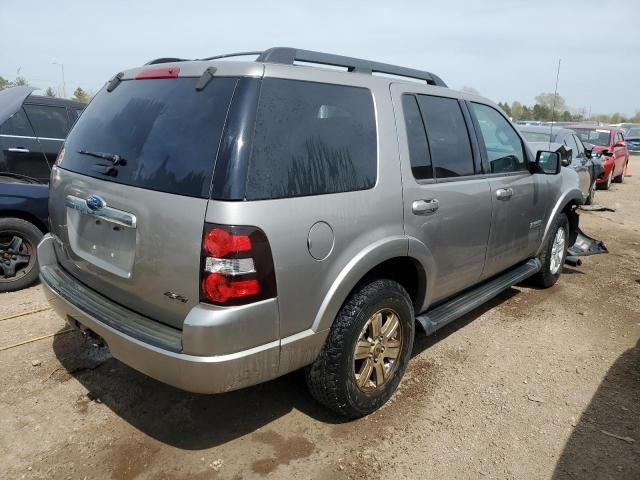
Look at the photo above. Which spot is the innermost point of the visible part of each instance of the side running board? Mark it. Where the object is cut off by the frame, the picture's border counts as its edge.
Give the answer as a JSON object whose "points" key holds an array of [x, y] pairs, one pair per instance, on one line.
{"points": [[453, 309]]}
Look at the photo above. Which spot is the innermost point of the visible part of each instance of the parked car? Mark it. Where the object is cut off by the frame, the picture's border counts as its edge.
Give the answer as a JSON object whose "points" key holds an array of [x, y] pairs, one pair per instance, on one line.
{"points": [[625, 127], [321, 218], [32, 130], [25, 158], [632, 138], [610, 147], [578, 157]]}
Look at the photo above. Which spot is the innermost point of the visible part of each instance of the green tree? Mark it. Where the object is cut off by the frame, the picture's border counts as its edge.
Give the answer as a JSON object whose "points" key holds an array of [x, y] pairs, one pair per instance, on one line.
{"points": [[4, 83], [566, 116], [541, 112], [505, 107], [49, 92], [516, 111], [79, 95]]}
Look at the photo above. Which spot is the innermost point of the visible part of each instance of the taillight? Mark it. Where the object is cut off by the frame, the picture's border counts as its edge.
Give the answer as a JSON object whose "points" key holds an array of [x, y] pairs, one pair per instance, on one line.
{"points": [[60, 158], [237, 266], [153, 73]]}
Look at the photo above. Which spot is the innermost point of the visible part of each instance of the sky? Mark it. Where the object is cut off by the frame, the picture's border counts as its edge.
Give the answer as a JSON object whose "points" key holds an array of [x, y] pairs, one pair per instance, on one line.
{"points": [[507, 50]]}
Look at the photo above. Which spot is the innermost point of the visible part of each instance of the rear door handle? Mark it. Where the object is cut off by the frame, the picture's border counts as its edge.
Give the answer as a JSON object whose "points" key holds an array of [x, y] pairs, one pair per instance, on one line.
{"points": [[423, 207], [19, 150], [504, 193]]}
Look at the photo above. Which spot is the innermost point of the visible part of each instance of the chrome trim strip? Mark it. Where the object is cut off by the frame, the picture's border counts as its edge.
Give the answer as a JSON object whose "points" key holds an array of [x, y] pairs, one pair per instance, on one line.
{"points": [[34, 138], [107, 214]]}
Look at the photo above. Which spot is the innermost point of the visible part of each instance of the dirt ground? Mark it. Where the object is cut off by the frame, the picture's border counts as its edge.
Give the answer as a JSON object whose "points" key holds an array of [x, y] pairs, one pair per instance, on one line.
{"points": [[538, 384]]}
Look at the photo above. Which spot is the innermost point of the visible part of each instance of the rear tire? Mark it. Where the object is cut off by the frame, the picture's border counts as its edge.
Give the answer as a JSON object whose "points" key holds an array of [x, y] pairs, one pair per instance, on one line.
{"points": [[620, 178], [607, 184], [592, 194], [554, 253], [361, 364], [18, 262]]}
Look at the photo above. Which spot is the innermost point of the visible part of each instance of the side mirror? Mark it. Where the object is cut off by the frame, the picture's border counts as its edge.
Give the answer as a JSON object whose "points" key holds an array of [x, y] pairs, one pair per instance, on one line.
{"points": [[548, 162]]}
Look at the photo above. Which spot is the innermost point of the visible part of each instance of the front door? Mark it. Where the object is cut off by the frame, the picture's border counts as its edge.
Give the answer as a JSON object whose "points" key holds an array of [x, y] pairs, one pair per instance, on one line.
{"points": [[517, 196], [447, 205]]}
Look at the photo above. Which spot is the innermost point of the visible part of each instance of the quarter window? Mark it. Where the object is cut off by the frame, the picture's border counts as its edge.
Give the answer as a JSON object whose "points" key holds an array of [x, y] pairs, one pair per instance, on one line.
{"points": [[312, 139], [570, 142], [18, 124], [447, 135], [499, 140], [48, 122], [416, 139]]}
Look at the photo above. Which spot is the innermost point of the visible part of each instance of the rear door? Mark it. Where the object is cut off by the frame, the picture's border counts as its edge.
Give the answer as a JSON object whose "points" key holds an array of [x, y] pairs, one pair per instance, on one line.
{"points": [[20, 151], [131, 228], [447, 205], [517, 196], [579, 163], [51, 124]]}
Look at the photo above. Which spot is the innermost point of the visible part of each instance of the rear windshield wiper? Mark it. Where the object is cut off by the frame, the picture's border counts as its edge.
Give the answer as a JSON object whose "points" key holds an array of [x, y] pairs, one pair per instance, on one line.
{"points": [[112, 157], [21, 177]]}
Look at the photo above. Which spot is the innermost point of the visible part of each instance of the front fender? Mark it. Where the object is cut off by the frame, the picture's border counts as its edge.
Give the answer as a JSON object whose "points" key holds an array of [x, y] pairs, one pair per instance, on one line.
{"points": [[363, 262], [571, 195]]}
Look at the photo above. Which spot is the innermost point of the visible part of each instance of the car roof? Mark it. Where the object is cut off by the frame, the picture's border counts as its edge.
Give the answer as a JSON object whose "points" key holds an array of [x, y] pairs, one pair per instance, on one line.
{"points": [[544, 129], [594, 127], [53, 101]]}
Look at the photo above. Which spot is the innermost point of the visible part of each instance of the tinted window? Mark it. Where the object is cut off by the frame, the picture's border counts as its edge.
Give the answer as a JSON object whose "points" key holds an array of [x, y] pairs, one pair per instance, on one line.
{"points": [[580, 146], [448, 137], [536, 136], [166, 130], [500, 141], [416, 139], [48, 122], [312, 139], [18, 124], [571, 143]]}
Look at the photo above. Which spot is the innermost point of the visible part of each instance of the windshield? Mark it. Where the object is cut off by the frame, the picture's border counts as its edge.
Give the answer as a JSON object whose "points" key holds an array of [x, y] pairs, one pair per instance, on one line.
{"points": [[536, 136], [633, 133], [166, 130], [594, 136]]}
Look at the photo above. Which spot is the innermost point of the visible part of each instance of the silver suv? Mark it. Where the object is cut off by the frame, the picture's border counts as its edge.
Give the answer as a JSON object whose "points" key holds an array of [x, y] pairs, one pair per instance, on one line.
{"points": [[221, 223]]}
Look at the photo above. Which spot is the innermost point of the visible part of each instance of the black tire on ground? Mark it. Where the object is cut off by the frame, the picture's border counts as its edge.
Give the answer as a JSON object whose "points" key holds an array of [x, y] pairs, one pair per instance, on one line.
{"points": [[592, 194], [620, 178], [607, 184], [331, 377], [29, 236], [546, 278]]}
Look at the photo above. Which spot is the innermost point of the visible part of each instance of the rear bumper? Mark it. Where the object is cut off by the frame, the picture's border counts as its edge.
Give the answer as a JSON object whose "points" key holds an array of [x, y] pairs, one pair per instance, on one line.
{"points": [[151, 347], [607, 165]]}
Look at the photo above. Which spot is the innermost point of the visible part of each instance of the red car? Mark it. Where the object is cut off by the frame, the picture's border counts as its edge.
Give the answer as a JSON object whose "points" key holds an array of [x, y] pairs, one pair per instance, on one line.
{"points": [[610, 147]]}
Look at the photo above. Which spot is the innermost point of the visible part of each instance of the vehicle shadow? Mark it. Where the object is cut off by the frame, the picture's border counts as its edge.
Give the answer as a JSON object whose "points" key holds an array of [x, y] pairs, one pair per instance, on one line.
{"points": [[193, 421], [615, 409], [181, 419]]}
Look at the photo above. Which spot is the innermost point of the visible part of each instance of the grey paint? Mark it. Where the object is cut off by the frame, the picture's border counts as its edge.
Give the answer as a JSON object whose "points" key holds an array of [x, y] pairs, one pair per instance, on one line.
{"points": [[467, 238]]}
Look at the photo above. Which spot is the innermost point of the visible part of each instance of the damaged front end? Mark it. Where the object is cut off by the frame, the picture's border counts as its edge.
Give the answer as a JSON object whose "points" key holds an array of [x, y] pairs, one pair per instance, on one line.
{"points": [[582, 245]]}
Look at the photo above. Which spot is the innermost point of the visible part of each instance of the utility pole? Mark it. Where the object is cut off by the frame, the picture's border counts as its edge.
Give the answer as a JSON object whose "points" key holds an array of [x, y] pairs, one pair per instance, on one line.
{"points": [[64, 86]]}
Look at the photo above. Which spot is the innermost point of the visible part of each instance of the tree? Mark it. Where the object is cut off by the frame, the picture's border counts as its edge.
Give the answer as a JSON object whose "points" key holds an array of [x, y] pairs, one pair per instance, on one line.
{"points": [[566, 116], [19, 82], [79, 95], [547, 100], [517, 111], [470, 90], [4, 83], [49, 92], [505, 107]]}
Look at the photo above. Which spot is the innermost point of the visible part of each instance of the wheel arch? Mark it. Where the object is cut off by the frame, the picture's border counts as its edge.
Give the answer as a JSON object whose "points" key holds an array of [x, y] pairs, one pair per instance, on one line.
{"points": [[26, 216], [566, 204]]}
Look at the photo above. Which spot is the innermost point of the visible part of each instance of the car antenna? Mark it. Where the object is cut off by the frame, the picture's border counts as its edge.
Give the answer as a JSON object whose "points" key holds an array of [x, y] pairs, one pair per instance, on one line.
{"points": [[553, 107]]}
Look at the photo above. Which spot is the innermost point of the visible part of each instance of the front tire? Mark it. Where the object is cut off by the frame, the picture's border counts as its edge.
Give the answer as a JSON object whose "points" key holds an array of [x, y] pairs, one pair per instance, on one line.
{"points": [[366, 352], [620, 178], [554, 253]]}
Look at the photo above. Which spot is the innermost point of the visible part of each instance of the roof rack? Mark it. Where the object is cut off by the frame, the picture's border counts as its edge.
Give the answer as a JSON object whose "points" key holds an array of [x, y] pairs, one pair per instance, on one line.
{"points": [[289, 56]]}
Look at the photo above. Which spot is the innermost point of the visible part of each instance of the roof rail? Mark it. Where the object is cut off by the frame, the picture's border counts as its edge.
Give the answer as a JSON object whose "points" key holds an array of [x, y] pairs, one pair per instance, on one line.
{"points": [[289, 56], [227, 55], [165, 60]]}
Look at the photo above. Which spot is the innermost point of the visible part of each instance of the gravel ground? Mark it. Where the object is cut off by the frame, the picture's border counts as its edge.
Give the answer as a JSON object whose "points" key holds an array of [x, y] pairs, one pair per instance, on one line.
{"points": [[538, 384]]}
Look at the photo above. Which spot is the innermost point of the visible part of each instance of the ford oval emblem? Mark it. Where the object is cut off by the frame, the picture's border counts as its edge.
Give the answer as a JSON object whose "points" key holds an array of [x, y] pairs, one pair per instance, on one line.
{"points": [[94, 202]]}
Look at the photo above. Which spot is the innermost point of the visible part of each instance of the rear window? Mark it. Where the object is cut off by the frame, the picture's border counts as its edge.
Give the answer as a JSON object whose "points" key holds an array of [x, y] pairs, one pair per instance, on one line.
{"points": [[312, 139], [166, 131], [536, 136]]}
